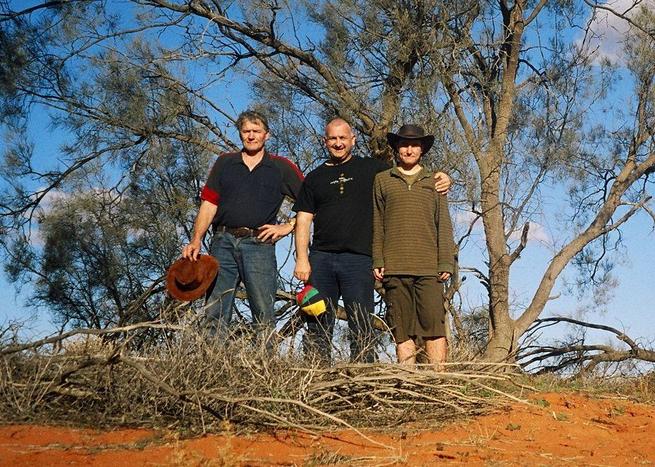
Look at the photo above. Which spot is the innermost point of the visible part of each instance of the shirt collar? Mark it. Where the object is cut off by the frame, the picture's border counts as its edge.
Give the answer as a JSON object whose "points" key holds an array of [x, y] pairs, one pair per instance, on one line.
{"points": [[421, 174], [267, 160]]}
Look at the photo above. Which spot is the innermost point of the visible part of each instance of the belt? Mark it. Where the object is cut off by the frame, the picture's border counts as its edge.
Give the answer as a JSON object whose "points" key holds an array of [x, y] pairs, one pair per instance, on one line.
{"points": [[239, 232]]}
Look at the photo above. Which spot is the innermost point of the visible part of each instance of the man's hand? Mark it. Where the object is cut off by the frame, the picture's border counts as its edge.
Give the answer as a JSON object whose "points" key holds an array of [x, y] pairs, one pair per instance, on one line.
{"points": [[274, 232], [203, 220], [303, 270], [442, 183], [378, 273], [192, 250], [444, 276]]}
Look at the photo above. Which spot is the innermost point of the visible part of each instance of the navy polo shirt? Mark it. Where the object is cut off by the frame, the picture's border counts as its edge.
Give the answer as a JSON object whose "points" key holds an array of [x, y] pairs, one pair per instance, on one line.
{"points": [[250, 198]]}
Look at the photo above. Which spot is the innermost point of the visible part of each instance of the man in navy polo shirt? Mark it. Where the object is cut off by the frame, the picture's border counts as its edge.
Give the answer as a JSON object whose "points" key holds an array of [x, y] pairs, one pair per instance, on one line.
{"points": [[240, 200]]}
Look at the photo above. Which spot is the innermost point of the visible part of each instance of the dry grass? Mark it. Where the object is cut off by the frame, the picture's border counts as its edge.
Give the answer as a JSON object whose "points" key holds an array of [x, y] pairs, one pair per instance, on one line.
{"points": [[638, 387], [196, 383]]}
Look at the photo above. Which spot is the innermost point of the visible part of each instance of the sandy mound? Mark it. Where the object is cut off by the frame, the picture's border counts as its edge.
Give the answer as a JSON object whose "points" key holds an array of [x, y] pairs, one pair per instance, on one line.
{"points": [[556, 429]]}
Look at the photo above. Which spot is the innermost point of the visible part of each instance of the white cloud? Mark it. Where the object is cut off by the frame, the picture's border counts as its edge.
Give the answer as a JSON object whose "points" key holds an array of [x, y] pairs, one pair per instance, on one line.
{"points": [[51, 198], [54, 197], [537, 232], [464, 218], [608, 31], [45, 205]]}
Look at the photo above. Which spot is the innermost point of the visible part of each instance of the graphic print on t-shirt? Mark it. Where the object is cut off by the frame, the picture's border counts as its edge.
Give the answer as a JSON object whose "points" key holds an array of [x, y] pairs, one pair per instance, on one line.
{"points": [[341, 200], [342, 180]]}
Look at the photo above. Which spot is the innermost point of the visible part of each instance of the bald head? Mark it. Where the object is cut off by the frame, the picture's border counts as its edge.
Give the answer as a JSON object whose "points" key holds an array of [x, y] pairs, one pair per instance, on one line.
{"points": [[339, 140], [338, 122]]}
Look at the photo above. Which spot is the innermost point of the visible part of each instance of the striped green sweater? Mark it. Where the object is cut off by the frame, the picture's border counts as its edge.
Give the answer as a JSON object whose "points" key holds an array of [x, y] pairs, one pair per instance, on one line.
{"points": [[412, 230]]}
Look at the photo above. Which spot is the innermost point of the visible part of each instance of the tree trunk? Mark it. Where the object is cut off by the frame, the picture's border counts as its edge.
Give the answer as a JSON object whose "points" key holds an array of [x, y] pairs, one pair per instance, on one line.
{"points": [[501, 330]]}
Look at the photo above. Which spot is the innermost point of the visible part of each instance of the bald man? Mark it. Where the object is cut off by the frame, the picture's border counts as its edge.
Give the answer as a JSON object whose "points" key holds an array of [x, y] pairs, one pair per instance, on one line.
{"points": [[337, 197]]}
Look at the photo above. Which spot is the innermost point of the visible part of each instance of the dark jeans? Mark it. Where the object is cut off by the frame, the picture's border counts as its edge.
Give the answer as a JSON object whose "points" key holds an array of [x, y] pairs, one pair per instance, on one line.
{"points": [[350, 276], [252, 262]]}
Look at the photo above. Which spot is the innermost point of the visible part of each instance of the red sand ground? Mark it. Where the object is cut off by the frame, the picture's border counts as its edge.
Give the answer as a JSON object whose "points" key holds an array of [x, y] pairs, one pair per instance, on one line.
{"points": [[559, 429]]}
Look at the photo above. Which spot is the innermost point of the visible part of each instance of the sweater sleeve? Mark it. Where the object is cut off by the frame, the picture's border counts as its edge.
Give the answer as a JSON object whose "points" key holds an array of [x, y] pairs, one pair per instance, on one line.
{"points": [[378, 223], [446, 242]]}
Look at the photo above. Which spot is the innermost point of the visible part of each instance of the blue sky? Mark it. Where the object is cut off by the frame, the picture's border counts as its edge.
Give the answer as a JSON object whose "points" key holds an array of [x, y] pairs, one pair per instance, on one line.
{"points": [[628, 308]]}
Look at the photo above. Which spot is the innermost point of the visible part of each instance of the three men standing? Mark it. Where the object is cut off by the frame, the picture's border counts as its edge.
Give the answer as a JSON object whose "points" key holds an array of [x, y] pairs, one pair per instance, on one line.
{"points": [[241, 198]]}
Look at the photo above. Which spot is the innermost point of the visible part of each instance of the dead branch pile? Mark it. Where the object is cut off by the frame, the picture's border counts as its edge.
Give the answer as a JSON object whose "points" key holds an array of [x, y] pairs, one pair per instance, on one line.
{"points": [[187, 380], [574, 355]]}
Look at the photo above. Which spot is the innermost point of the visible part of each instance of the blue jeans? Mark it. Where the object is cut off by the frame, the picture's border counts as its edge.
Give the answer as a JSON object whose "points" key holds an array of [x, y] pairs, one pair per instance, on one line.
{"points": [[246, 260], [350, 276]]}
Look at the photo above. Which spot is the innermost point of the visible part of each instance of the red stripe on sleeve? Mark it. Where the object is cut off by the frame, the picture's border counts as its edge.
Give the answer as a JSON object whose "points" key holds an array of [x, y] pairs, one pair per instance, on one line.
{"points": [[290, 164], [207, 194]]}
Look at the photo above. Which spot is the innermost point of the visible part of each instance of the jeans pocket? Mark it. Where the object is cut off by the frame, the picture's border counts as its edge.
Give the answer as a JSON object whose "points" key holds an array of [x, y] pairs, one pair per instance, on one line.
{"points": [[216, 238]]}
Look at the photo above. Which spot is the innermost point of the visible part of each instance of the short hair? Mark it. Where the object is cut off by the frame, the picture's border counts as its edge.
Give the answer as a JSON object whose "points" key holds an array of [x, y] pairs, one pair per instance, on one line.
{"points": [[251, 116]]}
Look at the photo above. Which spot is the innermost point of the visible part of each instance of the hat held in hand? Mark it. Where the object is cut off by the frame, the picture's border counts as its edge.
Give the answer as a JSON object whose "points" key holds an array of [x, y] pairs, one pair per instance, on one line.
{"points": [[311, 301], [188, 280]]}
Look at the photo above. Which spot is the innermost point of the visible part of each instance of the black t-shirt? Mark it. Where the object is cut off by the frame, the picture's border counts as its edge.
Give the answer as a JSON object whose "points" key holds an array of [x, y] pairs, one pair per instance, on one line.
{"points": [[341, 199], [250, 198]]}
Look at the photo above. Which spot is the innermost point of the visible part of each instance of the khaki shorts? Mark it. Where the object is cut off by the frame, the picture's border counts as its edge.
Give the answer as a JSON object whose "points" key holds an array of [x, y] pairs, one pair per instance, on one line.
{"points": [[415, 306]]}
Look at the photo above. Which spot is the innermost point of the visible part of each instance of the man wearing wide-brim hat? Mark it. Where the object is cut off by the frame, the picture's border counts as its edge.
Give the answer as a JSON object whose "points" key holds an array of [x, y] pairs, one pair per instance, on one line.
{"points": [[413, 247], [337, 198], [412, 133]]}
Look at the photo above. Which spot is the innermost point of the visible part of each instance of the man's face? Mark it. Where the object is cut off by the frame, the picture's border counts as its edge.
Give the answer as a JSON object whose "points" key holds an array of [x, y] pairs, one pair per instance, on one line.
{"points": [[339, 140], [253, 136], [409, 152]]}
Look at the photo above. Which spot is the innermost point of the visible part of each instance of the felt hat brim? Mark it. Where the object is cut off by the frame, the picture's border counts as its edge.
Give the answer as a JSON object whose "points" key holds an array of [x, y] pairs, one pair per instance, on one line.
{"points": [[412, 132], [206, 270]]}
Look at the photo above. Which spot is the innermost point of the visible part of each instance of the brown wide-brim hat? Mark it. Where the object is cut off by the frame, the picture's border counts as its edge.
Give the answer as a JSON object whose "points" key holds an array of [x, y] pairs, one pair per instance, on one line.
{"points": [[411, 132], [188, 280]]}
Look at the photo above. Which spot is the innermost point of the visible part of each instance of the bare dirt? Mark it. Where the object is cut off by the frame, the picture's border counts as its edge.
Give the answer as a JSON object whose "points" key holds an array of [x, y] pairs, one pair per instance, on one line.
{"points": [[555, 429]]}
